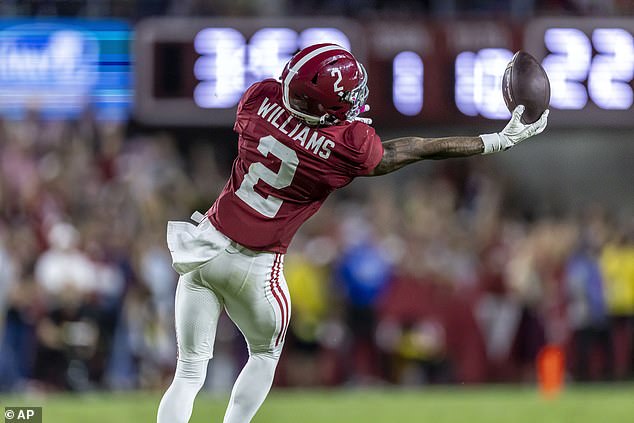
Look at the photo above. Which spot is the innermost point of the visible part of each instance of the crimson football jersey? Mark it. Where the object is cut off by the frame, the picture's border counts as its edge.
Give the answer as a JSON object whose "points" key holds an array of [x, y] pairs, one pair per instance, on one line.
{"points": [[285, 169]]}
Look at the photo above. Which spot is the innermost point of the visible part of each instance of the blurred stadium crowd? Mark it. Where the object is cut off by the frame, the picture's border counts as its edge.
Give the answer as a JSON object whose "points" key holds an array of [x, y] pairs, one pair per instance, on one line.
{"points": [[438, 274], [357, 8], [421, 277]]}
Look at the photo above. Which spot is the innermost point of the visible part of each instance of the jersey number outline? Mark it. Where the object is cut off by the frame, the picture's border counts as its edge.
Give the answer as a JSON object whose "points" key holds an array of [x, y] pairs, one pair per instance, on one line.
{"points": [[336, 86], [269, 205]]}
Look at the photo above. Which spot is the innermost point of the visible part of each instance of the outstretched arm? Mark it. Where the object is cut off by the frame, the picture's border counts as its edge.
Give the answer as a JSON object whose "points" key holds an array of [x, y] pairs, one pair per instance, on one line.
{"points": [[400, 152]]}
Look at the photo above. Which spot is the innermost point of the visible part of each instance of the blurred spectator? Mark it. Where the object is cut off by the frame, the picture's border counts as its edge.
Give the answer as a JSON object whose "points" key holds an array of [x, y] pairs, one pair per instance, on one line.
{"points": [[587, 310], [413, 326], [63, 267], [67, 336], [498, 313], [308, 283], [362, 272], [156, 273], [617, 264], [7, 281]]}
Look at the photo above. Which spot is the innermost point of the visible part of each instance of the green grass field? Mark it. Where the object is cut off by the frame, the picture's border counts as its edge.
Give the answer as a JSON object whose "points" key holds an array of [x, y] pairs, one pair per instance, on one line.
{"points": [[581, 404]]}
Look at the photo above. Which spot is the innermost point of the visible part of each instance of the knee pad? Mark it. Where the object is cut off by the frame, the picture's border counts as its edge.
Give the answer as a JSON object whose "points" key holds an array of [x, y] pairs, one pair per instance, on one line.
{"points": [[192, 372], [267, 352]]}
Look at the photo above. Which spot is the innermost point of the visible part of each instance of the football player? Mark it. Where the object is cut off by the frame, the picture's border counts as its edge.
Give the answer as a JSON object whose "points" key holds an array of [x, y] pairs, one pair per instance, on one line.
{"points": [[299, 139]]}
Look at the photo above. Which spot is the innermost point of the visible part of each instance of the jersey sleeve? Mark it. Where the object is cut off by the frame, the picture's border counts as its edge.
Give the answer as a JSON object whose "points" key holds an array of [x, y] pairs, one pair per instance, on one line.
{"points": [[249, 96], [366, 147]]}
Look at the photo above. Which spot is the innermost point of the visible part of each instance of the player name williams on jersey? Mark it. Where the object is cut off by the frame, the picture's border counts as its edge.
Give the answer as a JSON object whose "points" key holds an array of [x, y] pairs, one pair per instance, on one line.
{"points": [[285, 169], [308, 138]]}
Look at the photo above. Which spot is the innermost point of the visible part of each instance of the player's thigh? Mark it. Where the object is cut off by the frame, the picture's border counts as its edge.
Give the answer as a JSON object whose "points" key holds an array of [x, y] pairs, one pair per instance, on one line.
{"points": [[197, 312], [261, 308]]}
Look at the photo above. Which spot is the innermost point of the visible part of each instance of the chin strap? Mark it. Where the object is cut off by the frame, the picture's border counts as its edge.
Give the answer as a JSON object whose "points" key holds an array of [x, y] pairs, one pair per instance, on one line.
{"points": [[368, 121], [331, 120]]}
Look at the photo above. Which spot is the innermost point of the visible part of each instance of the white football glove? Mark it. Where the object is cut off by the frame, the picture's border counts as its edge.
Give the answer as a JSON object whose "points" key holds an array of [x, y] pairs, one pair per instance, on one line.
{"points": [[514, 132]]}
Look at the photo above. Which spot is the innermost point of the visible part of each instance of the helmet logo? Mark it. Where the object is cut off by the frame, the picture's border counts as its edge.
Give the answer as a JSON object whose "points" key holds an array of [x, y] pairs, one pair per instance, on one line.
{"points": [[336, 86]]}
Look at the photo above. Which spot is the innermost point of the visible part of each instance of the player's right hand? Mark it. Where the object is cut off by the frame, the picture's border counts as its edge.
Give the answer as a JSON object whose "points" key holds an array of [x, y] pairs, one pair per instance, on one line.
{"points": [[514, 132]]}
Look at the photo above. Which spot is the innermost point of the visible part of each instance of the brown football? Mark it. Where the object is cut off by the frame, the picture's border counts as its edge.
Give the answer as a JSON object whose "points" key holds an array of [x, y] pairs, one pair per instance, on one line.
{"points": [[525, 82]]}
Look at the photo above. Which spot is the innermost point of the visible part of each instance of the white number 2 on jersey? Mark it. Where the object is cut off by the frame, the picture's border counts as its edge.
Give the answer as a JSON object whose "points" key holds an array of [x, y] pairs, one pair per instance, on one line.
{"points": [[269, 205]]}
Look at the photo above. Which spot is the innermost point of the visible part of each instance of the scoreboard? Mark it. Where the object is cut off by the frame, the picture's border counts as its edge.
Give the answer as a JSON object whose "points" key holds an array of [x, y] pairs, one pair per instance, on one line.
{"points": [[193, 71]]}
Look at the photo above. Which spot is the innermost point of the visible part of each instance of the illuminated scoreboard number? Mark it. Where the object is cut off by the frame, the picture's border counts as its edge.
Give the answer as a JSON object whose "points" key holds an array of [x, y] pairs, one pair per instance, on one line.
{"points": [[478, 82], [228, 64], [590, 64], [407, 83], [193, 72], [598, 67]]}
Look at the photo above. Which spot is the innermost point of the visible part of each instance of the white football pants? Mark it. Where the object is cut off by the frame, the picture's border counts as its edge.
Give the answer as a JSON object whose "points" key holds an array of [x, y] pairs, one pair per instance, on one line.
{"points": [[218, 273]]}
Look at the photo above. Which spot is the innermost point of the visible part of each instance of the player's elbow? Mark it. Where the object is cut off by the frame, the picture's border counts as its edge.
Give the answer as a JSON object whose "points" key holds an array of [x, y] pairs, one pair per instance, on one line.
{"points": [[386, 165]]}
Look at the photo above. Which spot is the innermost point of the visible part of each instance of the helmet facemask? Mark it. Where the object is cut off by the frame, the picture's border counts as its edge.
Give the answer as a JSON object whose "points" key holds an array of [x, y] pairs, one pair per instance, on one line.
{"points": [[357, 97]]}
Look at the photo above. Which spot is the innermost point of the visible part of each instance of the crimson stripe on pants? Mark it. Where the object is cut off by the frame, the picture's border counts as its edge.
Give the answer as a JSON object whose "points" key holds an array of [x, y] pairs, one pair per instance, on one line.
{"points": [[285, 318], [274, 275]]}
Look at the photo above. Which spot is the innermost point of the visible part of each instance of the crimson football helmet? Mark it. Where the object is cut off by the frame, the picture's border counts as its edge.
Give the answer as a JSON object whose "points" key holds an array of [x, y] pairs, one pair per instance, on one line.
{"points": [[324, 84]]}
